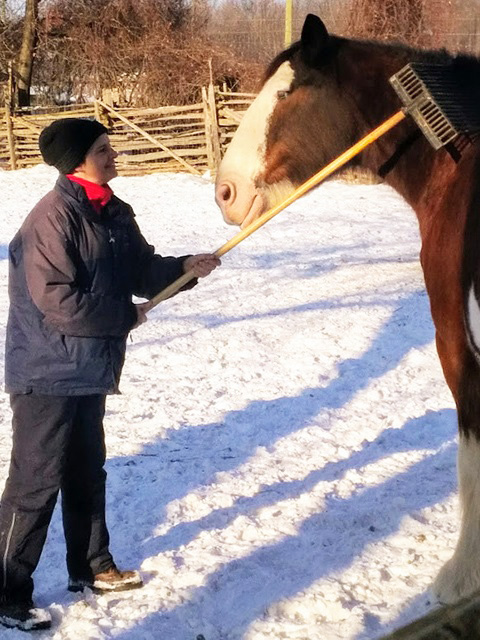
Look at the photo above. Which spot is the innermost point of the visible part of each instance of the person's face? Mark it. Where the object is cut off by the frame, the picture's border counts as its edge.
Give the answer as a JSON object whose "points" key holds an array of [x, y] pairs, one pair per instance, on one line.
{"points": [[99, 163]]}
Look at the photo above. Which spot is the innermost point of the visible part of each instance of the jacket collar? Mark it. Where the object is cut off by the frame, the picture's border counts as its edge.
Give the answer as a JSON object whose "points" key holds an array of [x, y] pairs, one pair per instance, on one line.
{"points": [[98, 194], [75, 194]]}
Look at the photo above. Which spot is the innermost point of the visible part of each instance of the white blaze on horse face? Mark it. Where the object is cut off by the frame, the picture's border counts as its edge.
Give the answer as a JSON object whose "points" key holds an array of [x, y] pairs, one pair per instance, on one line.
{"points": [[236, 193]]}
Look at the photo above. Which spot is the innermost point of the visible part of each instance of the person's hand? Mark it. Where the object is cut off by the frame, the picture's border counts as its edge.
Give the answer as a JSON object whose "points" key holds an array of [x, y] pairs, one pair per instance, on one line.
{"points": [[202, 264], [142, 309]]}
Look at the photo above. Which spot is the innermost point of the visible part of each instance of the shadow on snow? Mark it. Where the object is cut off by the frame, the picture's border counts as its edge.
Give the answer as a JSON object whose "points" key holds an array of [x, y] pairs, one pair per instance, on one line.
{"points": [[143, 485]]}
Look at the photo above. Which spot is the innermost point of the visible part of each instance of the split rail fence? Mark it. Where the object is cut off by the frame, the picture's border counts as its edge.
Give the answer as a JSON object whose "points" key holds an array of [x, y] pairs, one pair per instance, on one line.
{"points": [[189, 138]]}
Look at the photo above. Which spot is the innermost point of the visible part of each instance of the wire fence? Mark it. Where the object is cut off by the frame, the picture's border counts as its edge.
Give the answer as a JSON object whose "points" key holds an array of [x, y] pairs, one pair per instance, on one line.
{"points": [[266, 46]]}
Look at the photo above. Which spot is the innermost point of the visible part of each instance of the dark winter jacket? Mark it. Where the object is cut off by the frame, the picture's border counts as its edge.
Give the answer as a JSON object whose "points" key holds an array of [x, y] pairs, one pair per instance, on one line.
{"points": [[72, 275]]}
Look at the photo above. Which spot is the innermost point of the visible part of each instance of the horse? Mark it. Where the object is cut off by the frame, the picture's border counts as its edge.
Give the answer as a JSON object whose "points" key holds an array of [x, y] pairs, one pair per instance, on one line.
{"points": [[320, 96]]}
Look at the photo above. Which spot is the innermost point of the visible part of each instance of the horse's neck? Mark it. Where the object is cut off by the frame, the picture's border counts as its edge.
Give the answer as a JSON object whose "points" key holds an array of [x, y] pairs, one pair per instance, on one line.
{"points": [[425, 178], [408, 163], [403, 157]]}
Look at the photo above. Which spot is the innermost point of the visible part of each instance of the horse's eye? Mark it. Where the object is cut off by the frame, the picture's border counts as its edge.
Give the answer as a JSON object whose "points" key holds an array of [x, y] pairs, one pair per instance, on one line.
{"points": [[281, 95]]}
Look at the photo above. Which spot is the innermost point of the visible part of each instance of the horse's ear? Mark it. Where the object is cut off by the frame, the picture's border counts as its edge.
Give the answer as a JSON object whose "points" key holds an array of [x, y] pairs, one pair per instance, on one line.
{"points": [[314, 40]]}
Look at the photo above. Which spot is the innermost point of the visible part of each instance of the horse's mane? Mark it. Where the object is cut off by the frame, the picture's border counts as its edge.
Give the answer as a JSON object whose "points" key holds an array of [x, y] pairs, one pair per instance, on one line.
{"points": [[282, 57], [466, 66]]}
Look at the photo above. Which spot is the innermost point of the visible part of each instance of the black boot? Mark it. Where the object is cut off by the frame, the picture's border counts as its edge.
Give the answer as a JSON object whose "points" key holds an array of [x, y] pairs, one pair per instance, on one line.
{"points": [[24, 615]]}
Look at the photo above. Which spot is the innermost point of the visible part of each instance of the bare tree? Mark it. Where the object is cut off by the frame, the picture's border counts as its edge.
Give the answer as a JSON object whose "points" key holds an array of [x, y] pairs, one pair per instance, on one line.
{"points": [[24, 66], [11, 25]]}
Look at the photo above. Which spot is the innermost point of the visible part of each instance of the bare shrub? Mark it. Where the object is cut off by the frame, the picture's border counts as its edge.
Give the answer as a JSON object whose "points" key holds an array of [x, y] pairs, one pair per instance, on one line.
{"points": [[414, 22], [153, 52]]}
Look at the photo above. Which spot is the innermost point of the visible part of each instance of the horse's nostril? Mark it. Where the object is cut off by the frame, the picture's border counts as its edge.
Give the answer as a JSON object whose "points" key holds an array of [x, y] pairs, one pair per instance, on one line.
{"points": [[225, 193]]}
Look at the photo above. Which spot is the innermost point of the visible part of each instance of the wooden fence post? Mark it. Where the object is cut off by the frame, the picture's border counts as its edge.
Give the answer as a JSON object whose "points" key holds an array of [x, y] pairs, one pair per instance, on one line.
{"points": [[99, 112], [214, 155], [8, 119], [215, 132], [208, 138]]}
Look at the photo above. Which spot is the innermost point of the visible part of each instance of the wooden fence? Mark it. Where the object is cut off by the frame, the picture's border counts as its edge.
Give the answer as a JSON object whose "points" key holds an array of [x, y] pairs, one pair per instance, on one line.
{"points": [[188, 138]]}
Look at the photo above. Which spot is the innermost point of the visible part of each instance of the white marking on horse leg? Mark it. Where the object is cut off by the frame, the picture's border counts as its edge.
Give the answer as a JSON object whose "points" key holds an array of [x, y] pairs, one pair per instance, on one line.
{"points": [[460, 576], [473, 319]]}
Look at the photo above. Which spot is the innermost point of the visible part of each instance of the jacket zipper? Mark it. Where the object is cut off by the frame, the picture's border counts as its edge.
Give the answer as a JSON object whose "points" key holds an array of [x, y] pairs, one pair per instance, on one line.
{"points": [[7, 549], [111, 240]]}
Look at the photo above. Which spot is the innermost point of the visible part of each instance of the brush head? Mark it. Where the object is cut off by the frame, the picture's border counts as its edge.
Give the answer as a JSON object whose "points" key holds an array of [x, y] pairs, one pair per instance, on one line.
{"points": [[440, 100]]}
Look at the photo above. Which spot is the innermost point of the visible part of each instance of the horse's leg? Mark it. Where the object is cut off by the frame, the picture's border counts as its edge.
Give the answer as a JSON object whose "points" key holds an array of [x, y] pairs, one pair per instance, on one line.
{"points": [[460, 576]]}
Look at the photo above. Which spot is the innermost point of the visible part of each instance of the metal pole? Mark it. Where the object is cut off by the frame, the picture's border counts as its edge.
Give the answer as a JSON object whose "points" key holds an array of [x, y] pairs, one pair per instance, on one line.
{"points": [[288, 22]]}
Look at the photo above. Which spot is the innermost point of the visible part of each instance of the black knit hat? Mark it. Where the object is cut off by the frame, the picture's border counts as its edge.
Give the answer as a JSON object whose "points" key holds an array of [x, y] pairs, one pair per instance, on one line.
{"points": [[65, 143]]}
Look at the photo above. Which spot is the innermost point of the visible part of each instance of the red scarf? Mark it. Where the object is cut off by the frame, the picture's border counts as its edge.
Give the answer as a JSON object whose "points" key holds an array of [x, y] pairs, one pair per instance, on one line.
{"points": [[98, 194]]}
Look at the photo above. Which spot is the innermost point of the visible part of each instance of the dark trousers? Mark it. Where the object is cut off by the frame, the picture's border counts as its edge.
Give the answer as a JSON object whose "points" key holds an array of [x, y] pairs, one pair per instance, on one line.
{"points": [[58, 444]]}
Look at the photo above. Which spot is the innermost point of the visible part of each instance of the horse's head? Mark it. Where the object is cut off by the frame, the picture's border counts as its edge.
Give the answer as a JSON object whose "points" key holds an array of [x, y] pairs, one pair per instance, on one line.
{"points": [[308, 112]]}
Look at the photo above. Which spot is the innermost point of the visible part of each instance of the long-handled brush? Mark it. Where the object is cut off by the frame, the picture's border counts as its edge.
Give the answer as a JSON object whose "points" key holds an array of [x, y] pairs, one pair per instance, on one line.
{"points": [[431, 95]]}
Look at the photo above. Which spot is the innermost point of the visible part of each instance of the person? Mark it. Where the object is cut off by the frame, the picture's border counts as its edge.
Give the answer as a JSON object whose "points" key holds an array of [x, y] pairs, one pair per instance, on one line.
{"points": [[74, 265]]}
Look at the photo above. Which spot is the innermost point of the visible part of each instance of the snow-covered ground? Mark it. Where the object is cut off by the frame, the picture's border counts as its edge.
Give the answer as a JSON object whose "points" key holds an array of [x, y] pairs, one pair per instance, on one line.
{"points": [[282, 457]]}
